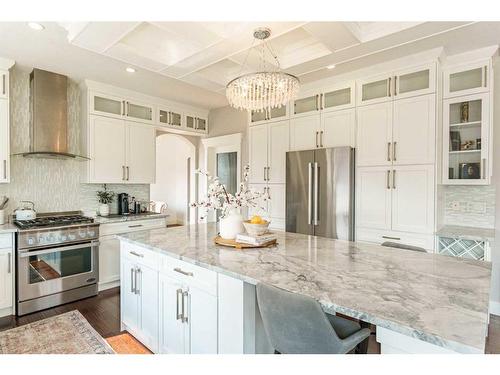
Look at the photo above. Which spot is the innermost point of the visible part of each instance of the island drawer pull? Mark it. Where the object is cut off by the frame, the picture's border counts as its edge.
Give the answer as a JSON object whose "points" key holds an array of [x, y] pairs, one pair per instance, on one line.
{"points": [[178, 293], [177, 269], [391, 238], [136, 254], [184, 317], [135, 226]]}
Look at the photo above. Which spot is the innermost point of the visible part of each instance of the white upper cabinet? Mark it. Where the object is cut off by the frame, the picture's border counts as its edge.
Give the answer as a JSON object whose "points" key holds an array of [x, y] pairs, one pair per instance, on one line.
{"points": [[197, 124], [374, 90], [4, 141], [414, 130], [268, 144], [107, 150], [467, 79], [141, 154], [374, 135], [338, 128], [275, 114], [139, 111], [466, 140], [258, 136], [172, 118], [306, 104], [107, 105], [415, 81], [400, 84], [337, 98], [129, 158], [4, 84], [305, 132]]}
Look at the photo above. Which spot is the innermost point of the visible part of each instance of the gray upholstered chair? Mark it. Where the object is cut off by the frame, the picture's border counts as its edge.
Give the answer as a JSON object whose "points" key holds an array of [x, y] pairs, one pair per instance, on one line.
{"points": [[403, 246], [296, 324]]}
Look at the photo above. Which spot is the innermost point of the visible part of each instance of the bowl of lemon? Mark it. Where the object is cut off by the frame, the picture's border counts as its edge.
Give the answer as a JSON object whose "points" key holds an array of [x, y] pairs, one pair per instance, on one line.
{"points": [[256, 226]]}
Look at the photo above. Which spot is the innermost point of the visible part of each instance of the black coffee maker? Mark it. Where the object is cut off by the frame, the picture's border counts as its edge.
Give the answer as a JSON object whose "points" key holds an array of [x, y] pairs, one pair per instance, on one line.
{"points": [[123, 204]]}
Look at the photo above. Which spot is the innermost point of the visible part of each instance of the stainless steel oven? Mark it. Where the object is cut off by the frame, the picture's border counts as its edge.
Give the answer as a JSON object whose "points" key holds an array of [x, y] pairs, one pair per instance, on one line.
{"points": [[52, 271]]}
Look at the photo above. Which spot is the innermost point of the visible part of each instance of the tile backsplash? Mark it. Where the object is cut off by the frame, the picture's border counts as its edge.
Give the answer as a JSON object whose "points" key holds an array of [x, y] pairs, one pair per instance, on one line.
{"points": [[469, 206], [53, 185]]}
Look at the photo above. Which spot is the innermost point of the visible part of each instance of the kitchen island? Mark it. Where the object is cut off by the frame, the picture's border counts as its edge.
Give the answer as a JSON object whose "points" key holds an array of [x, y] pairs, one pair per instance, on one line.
{"points": [[420, 303]]}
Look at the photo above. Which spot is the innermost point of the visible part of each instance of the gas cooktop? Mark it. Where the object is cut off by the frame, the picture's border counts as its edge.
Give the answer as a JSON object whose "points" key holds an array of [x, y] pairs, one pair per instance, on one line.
{"points": [[53, 221]]}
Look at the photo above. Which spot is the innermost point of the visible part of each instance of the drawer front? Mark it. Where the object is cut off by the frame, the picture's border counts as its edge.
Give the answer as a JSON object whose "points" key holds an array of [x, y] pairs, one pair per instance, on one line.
{"points": [[190, 274], [6, 241], [140, 255], [131, 226], [379, 236]]}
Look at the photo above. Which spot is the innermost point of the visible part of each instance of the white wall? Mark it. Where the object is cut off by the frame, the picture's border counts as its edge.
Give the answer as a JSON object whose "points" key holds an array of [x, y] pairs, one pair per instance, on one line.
{"points": [[172, 152]]}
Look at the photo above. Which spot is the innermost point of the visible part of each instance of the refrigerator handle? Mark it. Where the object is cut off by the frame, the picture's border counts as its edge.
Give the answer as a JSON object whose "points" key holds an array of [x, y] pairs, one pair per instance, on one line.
{"points": [[309, 193], [316, 194]]}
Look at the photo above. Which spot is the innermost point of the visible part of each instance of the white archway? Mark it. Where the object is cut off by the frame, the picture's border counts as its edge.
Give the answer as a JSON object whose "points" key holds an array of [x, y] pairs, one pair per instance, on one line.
{"points": [[175, 177]]}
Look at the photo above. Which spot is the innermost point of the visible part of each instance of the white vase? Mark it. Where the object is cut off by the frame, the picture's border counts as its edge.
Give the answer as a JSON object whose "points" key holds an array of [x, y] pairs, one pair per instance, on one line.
{"points": [[231, 225], [104, 209]]}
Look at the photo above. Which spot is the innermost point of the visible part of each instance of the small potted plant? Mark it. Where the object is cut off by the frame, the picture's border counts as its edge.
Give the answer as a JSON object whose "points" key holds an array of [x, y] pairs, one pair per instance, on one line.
{"points": [[105, 197]]}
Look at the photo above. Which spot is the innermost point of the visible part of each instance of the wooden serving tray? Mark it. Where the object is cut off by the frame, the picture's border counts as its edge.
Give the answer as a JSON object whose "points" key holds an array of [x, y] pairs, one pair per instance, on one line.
{"points": [[232, 243]]}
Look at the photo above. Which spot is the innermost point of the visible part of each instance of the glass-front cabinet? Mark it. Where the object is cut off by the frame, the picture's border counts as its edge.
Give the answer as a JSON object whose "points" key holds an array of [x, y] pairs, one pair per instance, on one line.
{"points": [[108, 105], [199, 124], [466, 154], [138, 111], [278, 113], [167, 117], [374, 90], [467, 79], [337, 98]]}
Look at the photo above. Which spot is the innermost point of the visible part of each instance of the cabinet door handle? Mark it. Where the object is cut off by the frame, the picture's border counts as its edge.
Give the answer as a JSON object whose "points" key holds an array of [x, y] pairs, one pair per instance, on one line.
{"points": [[135, 226], [4, 169], [395, 85], [485, 76], [389, 86], [321, 137], [391, 238], [268, 173], [388, 183], [123, 172], [317, 139], [388, 151], [264, 173], [177, 269], [178, 293], [128, 172], [9, 261], [3, 84], [123, 108], [132, 290], [394, 179], [137, 271], [317, 99], [126, 109], [136, 254], [321, 102], [394, 151], [184, 306]]}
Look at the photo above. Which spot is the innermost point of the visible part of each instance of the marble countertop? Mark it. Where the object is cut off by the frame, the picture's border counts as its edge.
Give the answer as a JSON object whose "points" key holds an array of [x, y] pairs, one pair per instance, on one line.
{"points": [[8, 228], [466, 233], [439, 299], [132, 217]]}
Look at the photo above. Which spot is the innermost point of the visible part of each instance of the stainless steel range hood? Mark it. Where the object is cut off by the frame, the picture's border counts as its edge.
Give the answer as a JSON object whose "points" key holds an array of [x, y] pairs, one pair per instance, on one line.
{"points": [[49, 117]]}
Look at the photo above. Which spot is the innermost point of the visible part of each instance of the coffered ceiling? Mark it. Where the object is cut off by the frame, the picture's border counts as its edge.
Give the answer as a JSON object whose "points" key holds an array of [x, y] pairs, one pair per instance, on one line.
{"points": [[210, 54]]}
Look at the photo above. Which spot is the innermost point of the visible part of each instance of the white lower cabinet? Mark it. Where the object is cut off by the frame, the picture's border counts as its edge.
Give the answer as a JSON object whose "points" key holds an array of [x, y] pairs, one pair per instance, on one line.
{"points": [[6, 280], [139, 299], [174, 332]]}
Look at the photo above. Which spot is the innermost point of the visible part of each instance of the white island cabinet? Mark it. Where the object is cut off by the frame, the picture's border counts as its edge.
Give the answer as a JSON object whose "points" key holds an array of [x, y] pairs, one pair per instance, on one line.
{"points": [[6, 274], [175, 307]]}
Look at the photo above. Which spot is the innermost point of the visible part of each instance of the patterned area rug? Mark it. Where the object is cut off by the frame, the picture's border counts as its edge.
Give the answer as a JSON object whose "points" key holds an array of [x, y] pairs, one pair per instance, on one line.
{"points": [[125, 343], [67, 333]]}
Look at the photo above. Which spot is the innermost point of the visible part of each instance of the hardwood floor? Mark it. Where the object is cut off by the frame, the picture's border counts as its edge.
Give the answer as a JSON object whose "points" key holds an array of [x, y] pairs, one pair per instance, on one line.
{"points": [[103, 313]]}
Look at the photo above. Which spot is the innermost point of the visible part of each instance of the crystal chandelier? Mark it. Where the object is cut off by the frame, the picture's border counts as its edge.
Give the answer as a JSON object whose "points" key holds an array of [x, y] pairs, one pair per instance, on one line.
{"points": [[265, 89]]}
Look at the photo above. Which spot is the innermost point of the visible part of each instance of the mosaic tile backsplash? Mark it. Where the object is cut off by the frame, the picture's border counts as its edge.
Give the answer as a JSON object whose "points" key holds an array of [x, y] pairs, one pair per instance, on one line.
{"points": [[469, 206], [53, 185]]}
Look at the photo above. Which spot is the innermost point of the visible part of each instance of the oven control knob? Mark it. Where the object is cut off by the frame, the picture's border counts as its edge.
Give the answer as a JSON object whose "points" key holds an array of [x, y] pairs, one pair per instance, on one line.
{"points": [[91, 233], [72, 237], [82, 234], [30, 241]]}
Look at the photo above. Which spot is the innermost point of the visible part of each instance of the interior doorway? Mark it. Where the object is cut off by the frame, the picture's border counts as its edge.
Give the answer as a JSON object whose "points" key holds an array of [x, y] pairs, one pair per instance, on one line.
{"points": [[175, 177]]}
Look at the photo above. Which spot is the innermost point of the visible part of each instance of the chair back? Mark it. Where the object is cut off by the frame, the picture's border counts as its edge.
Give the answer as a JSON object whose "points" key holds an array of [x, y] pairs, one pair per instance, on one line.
{"points": [[295, 324]]}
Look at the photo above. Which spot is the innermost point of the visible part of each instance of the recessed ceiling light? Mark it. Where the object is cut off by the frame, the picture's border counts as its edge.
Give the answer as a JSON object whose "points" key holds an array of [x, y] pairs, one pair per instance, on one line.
{"points": [[331, 66], [36, 26], [130, 69]]}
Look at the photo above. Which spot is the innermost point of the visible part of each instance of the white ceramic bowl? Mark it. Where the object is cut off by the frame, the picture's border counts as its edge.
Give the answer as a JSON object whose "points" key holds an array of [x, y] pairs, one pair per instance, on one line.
{"points": [[256, 229]]}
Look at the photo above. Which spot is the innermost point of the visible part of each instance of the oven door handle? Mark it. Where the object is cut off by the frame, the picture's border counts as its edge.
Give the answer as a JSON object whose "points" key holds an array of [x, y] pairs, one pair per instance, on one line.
{"points": [[27, 253]]}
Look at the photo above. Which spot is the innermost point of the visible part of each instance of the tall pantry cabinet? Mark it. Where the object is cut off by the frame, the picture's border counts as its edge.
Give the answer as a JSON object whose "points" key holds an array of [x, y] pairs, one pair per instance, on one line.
{"points": [[395, 157]]}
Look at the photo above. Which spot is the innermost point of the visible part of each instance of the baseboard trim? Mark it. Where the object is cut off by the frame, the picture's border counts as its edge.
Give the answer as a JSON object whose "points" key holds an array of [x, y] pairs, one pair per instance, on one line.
{"points": [[495, 308], [108, 285], [6, 311]]}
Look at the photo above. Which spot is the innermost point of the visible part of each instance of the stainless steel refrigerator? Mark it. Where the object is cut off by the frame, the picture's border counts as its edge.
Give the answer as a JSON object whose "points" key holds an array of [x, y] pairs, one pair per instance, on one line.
{"points": [[320, 192]]}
